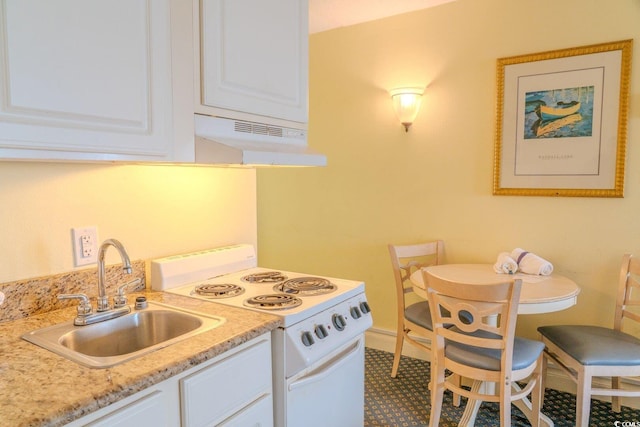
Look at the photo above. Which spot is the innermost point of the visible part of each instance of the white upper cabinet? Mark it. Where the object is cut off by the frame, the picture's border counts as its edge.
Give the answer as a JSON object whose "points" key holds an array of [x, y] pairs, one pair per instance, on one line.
{"points": [[114, 80], [253, 60], [96, 80]]}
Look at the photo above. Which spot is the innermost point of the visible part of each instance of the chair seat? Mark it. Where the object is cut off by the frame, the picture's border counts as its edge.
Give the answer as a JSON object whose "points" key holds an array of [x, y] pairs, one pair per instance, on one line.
{"points": [[525, 353], [594, 345], [419, 314]]}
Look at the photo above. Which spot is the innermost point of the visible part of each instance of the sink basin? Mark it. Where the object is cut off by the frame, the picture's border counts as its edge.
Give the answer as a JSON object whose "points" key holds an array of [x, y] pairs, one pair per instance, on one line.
{"points": [[111, 342]]}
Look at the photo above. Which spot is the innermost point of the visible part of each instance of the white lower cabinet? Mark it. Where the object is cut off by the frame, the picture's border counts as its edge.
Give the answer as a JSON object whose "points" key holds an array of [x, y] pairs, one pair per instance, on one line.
{"points": [[154, 409], [220, 393], [255, 415], [157, 406], [233, 389]]}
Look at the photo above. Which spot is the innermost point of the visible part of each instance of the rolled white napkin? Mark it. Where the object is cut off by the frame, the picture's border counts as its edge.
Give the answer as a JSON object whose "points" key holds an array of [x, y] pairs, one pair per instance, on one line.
{"points": [[531, 263], [505, 264]]}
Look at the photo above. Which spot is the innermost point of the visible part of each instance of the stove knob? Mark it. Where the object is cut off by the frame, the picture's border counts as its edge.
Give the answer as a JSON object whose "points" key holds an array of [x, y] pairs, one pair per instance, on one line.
{"points": [[355, 312], [364, 306], [321, 331], [339, 322], [307, 339]]}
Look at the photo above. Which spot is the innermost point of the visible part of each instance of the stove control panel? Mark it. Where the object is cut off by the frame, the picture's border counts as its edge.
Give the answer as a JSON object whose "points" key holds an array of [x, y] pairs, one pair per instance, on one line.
{"points": [[312, 338]]}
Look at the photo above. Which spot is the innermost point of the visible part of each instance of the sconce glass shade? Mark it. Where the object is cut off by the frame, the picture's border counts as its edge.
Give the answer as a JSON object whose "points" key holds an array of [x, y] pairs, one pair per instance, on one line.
{"points": [[406, 104]]}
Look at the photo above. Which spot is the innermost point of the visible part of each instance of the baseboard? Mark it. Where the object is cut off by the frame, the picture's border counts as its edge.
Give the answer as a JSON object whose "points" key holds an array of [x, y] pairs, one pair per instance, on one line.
{"points": [[385, 340]]}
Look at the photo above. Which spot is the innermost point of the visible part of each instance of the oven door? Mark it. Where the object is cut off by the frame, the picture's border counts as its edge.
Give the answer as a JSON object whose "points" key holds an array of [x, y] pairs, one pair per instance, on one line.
{"points": [[331, 392]]}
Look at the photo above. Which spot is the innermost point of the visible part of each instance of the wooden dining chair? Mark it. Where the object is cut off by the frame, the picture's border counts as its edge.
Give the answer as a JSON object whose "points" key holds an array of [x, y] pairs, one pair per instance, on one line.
{"points": [[481, 345], [584, 352], [414, 318]]}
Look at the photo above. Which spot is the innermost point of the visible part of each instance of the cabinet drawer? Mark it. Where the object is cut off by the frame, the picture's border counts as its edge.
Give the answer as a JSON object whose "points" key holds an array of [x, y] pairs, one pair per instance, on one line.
{"points": [[217, 392], [150, 410], [258, 414]]}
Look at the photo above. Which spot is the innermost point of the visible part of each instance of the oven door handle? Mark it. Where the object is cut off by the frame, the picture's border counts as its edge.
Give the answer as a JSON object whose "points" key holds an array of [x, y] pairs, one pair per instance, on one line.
{"points": [[339, 360]]}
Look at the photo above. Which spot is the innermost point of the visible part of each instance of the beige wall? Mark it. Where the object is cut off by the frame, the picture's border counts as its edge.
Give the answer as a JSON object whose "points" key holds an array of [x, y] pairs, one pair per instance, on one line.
{"points": [[153, 210], [383, 185]]}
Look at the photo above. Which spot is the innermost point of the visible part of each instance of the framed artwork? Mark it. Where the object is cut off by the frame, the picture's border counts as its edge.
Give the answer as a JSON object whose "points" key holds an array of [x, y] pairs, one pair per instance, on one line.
{"points": [[562, 122]]}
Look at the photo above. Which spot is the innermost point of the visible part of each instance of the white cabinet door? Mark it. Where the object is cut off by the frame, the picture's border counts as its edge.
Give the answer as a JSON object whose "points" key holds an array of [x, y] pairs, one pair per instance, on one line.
{"points": [[155, 407], [148, 411], [236, 390], [258, 414], [92, 80], [254, 60]]}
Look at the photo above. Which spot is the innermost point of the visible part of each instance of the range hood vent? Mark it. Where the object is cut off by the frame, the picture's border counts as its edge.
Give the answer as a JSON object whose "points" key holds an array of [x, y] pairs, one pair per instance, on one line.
{"points": [[258, 129], [235, 142]]}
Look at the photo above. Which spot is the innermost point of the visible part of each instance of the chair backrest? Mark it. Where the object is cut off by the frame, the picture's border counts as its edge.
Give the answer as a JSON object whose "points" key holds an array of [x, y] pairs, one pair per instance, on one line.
{"points": [[406, 259], [481, 315], [627, 301]]}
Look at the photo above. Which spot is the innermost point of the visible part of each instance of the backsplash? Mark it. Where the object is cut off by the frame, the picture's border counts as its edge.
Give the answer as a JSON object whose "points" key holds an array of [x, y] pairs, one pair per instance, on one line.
{"points": [[40, 295]]}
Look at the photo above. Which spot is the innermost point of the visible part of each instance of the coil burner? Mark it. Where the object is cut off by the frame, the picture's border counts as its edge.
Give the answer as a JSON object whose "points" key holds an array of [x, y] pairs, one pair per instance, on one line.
{"points": [[218, 290], [265, 277], [273, 302], [306, 286]]}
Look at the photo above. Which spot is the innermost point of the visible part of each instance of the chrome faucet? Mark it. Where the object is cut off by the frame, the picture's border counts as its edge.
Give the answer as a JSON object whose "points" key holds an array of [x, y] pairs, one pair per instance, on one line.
{"points": [[103, 300], [104, 311]]}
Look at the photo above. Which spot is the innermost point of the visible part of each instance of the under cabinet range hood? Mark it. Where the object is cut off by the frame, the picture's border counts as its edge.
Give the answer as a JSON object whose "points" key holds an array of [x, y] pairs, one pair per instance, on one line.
{"points": [[225, 141]]}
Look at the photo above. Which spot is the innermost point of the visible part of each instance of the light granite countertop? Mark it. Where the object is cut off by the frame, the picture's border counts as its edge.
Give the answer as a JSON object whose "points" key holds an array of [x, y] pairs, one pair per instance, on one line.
{"points": [[40, 388]]}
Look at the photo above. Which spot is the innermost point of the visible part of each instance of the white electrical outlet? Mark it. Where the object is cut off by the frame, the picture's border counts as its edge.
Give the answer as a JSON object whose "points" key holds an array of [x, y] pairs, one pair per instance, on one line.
{"points": [[85, 245]]}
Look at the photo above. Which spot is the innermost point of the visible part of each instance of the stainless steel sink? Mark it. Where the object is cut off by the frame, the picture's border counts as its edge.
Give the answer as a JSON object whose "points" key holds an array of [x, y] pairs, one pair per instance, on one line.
{"points": [[115, 341]]}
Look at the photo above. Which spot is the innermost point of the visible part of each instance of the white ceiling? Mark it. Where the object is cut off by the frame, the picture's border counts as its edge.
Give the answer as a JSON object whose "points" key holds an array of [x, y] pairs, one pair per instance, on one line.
{"points": [[329, 14]]}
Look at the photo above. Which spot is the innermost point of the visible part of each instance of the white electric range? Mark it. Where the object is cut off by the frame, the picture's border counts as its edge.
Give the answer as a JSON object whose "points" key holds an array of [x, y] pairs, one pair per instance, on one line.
{"points": [[319, 353]]}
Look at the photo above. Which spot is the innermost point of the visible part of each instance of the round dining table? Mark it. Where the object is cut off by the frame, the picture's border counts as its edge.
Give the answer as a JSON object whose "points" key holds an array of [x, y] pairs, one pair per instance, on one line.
{"points": [[539, 294]]}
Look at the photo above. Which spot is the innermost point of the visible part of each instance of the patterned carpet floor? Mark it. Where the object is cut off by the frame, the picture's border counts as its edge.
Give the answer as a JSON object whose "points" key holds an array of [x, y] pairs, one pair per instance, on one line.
{"points": [[404, 401]]}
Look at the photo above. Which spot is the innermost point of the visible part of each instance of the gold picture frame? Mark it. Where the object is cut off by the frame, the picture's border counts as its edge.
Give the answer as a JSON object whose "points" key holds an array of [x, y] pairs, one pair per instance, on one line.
{"points": [[562, 122]]}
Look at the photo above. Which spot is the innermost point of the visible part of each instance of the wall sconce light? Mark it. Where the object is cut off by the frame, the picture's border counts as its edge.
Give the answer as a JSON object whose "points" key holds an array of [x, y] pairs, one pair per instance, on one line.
{"points": [[406, 104]]}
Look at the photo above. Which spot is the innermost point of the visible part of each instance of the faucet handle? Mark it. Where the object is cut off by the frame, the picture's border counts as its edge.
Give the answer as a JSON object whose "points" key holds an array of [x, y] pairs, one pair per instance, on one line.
{"points": [[84, 306], [120, 299]]}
